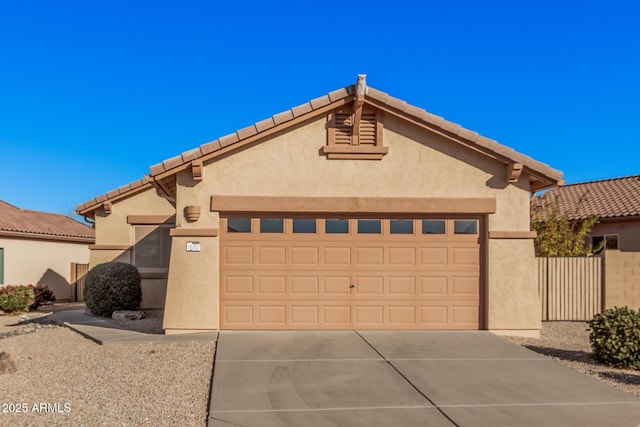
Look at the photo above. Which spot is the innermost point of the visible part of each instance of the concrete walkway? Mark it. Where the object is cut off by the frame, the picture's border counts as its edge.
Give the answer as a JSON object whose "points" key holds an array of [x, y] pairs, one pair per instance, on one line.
{"points": [[352, 378], [103, 332]]}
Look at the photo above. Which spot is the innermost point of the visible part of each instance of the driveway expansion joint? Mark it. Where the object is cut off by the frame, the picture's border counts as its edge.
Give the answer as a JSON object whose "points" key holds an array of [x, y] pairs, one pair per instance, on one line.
{"points": [[444, 414]]}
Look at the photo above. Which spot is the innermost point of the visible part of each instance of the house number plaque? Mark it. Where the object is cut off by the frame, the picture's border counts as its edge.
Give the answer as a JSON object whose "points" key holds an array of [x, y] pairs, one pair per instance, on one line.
{"points": [[193, 246]]}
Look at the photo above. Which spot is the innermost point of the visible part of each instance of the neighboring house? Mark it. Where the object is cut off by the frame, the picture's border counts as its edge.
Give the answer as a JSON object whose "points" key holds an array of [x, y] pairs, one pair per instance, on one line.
{"points": [[615, 201], [355, 210], [38, 248]]}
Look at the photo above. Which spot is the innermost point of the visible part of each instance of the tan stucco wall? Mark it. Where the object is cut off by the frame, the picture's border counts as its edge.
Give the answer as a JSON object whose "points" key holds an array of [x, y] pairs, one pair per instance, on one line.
{"points": [[628, 233], [38, 262], [419, 164], [622, 279], [113, 229]]}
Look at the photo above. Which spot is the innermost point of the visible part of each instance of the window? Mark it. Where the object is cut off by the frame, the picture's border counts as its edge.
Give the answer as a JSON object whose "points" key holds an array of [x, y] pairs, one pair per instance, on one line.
{"points": [[335, 226], [1, 266], [369, 226], [610, 242], [304, 225], [239, 225], [152, 246], [433, 226], [401, 226], [465, 226], [271, 225]]}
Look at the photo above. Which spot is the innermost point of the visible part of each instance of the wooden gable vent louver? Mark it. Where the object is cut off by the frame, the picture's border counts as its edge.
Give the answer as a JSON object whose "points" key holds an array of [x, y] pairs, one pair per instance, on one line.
{"points": [[355, 130]]}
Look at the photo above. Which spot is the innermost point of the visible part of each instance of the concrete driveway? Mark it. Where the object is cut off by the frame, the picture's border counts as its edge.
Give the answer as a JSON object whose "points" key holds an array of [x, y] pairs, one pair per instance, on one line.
{"points": [[391, 378]]}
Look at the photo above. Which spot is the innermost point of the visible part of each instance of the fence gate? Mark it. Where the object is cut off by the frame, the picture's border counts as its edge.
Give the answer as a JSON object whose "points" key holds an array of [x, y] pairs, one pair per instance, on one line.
{"points": [[570, 288], [78, 273]]}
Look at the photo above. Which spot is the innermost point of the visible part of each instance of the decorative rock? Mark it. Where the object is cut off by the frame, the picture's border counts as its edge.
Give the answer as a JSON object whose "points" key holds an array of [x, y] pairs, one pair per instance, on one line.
{"points": [[128, 315], [7, 365]]}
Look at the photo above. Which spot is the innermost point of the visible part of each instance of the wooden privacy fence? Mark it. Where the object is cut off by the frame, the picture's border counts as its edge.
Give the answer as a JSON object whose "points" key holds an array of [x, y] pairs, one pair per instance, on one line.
{"points": [[78, 273], [570, 288]]}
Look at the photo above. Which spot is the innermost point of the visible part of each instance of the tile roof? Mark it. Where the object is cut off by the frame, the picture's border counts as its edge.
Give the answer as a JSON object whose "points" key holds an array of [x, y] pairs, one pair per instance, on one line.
{"points": [[607, 198], [543, 174], [376, 98], [120, 191], [16, 221]]}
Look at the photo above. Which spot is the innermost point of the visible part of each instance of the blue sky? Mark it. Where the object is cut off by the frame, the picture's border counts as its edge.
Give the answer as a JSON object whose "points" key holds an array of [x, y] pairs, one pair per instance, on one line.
{"points": [[93, 93]]}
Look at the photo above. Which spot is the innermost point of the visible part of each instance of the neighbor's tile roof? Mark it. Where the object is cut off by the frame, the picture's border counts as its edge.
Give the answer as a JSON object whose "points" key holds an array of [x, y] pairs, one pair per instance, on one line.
{"points": [[607, 198], [43, 224]]}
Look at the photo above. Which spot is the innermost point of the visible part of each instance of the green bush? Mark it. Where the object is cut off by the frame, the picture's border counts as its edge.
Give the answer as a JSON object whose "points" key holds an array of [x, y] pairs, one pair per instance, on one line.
{"points": [[112, 286], [615, 337], [43, 296], [16, 298]]}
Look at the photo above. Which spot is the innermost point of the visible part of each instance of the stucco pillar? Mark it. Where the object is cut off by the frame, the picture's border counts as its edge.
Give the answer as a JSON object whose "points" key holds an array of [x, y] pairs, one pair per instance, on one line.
{"points": [[192, 288], [513, 301]]}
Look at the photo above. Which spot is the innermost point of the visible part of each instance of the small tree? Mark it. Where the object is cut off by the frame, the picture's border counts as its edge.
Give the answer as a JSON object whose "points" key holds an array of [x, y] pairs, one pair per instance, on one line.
{"points": [[558, 233]]}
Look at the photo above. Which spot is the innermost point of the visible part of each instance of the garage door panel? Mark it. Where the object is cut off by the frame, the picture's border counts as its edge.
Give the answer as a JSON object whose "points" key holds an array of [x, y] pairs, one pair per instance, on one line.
{"points": [[465, 256], [303, 281], [368, 315], [438, 285], [337, 256], [402, 286], [437, 256], [368, 256], [305, 315], [369, 286], [305, 286], [272, 285], [401, 315], [336, 285], [238, 285], [272, 315], [465, 285], [305, 256], [402, 256], [238, 255], [238, 315], [434, 316], [465, 317], [336, 315]]}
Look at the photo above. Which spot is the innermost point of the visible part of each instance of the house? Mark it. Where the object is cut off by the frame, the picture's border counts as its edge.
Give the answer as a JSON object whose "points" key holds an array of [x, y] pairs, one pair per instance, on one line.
{"points": [[354, 210], [616, 202], [38, 248]]}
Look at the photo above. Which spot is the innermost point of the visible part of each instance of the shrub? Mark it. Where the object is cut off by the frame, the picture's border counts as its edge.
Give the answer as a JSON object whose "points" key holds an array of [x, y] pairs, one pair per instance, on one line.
{"points": [[43, 296], [112, 286], [16, 298], [615, 337]]}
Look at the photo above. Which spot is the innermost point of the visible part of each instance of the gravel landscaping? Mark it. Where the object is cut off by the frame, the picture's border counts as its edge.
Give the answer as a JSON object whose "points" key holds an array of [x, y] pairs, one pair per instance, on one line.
{"points": [[62, 378], [568, 343]]}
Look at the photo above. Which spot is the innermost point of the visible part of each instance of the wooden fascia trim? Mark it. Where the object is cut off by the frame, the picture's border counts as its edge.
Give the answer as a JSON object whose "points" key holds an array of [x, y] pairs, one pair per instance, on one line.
{"points": [[151, 219], [110, 247], [193, 232], [352, 205], [433, 129], [47, 237], [114, 199], [261, 135], [514, 170], [512, 234]]}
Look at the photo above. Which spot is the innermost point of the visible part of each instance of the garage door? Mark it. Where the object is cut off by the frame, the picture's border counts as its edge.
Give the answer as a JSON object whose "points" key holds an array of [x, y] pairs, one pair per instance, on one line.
{"points": [[349, 273]]}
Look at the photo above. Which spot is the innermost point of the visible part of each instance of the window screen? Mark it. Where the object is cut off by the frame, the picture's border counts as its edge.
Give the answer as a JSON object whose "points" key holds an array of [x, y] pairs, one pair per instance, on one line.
{"points": [[152, 248]]}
